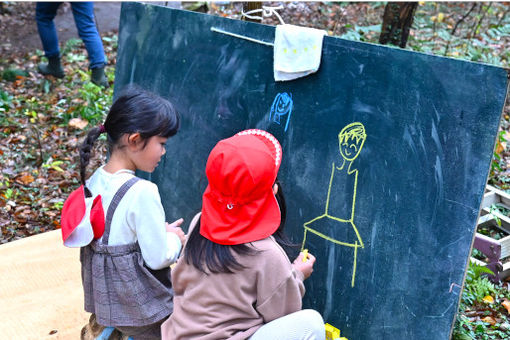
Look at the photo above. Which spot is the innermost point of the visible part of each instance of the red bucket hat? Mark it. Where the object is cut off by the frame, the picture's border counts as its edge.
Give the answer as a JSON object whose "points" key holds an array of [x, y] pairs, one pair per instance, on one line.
{"points": [[238, 204]]}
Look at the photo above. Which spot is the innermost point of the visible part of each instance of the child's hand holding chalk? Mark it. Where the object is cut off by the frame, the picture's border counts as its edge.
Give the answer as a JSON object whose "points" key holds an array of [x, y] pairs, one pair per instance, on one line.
{"points": [[175, 228], [304, 263], [305, 255]]}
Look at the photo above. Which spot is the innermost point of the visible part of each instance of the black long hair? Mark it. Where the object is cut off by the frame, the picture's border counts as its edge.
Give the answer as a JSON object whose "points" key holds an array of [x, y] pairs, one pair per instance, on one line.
{"points": [[135, 110], [290, 248], [205, 254]]}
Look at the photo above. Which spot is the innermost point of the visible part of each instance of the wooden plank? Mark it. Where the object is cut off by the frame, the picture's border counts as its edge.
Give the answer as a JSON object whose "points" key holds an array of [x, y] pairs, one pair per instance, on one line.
{"points": [[490, 198], [489, 218], [486, 219], [503, 196], [505, 246], [489, 246]]}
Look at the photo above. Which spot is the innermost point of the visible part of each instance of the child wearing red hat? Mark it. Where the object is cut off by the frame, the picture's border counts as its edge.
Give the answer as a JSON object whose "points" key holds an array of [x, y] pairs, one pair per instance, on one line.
{"points": [[118, 220], [234, 280]]}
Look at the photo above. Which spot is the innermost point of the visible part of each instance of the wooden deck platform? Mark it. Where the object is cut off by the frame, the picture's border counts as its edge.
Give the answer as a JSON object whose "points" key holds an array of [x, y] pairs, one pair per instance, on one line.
{"points": [[41, 295]]}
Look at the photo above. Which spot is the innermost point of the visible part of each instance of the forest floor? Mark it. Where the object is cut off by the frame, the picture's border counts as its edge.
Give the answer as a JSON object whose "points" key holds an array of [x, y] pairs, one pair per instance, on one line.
{"points": [[43, 120]]}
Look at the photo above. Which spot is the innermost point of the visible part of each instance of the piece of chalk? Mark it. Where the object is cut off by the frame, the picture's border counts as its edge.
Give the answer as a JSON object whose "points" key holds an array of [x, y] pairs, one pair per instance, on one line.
{"points": [[305, 255]]}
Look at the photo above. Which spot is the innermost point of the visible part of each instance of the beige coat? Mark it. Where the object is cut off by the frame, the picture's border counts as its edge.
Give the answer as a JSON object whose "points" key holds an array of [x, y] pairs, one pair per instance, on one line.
{"points": [[234, 306]]}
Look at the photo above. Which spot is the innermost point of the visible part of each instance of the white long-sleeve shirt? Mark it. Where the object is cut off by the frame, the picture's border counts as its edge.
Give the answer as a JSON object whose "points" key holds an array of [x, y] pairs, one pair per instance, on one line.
{"points": [[138, 217]]}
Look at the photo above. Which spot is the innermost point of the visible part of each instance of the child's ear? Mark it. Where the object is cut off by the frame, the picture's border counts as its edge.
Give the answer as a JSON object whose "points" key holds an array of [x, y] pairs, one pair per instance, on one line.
{"points": [[134, 140]]}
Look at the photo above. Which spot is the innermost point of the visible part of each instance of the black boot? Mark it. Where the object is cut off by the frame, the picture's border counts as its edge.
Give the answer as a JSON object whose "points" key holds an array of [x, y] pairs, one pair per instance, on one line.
{"points": [[52, 68], [98, 77]]}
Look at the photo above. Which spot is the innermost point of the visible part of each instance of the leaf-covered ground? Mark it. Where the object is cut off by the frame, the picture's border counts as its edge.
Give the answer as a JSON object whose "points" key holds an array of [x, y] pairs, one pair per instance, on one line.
{"points": [[43, 120]]}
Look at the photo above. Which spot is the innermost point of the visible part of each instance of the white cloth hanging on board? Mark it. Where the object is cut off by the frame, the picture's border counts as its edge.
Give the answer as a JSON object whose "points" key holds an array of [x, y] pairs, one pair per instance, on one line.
{"points": [[297, 51]]}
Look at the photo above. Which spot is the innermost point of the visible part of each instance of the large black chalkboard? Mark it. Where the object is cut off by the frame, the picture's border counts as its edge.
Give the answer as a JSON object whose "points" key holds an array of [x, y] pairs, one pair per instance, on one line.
{"points": [[397, 220]]}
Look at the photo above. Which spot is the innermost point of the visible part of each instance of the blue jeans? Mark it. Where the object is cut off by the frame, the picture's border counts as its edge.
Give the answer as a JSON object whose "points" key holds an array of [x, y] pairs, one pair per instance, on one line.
{"points": [[83, 13]]}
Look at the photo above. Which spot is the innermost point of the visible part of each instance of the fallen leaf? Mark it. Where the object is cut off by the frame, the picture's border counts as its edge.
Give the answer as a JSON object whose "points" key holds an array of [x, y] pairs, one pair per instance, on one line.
{"points": [[77, 101], [51, 213], [25, 179], [78, 123], [17, 139], [489, 319], [500, 147], [506, 304], [488, 299]]}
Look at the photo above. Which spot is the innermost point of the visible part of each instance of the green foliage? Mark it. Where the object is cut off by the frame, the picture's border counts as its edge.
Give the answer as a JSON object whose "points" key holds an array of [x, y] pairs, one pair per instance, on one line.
{"points": [[11, 74], [71, 45], [97, 102], [438, 29], [112, 41], [51, 164], [5, 101], [496, 158], [476, 288], [361, 33]]}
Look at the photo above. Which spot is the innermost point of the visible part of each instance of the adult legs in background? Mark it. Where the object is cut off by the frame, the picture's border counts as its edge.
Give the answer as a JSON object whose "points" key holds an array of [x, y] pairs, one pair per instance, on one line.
{"points": [[45, 12], [83, 13], [306, 324]]}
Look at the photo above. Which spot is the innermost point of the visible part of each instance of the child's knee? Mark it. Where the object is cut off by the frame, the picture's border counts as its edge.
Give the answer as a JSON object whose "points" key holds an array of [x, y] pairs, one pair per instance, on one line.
{"points": [[315, 324]]}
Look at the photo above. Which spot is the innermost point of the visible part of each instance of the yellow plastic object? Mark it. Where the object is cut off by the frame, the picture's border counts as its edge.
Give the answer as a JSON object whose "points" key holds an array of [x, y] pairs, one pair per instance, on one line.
{"points": [[332, 333]]}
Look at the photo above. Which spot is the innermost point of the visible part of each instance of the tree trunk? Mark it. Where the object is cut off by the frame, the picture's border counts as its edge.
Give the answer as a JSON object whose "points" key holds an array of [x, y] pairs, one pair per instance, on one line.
{"points": [[397, 20], [250, 6]]}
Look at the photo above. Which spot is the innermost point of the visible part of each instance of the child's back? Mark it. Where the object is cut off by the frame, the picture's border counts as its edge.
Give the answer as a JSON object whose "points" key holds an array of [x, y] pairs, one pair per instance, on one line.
{"points": [[135, 217], [234, 280], [235, 305], [125, 267]]}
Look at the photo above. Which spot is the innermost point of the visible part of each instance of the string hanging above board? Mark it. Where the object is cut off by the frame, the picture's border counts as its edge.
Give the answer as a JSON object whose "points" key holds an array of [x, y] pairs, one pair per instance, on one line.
{"points": [[267, 11]]}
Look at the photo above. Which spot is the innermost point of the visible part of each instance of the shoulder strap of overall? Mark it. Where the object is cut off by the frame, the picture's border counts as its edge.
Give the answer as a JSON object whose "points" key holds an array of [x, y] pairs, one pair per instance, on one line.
{"points": [[113, 205]]}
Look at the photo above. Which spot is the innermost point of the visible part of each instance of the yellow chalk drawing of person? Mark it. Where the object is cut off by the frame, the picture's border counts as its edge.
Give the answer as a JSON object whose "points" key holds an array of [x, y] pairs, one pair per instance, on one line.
{"points": [[339, 210]]}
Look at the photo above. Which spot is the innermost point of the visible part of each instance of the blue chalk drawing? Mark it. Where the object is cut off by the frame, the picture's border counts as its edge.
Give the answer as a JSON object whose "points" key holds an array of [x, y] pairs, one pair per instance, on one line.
{"points": [[282, 105]]}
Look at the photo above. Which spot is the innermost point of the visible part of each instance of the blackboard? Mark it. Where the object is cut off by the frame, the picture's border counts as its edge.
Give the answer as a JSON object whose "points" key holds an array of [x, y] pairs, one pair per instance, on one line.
{"points": [[392, 226]]}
